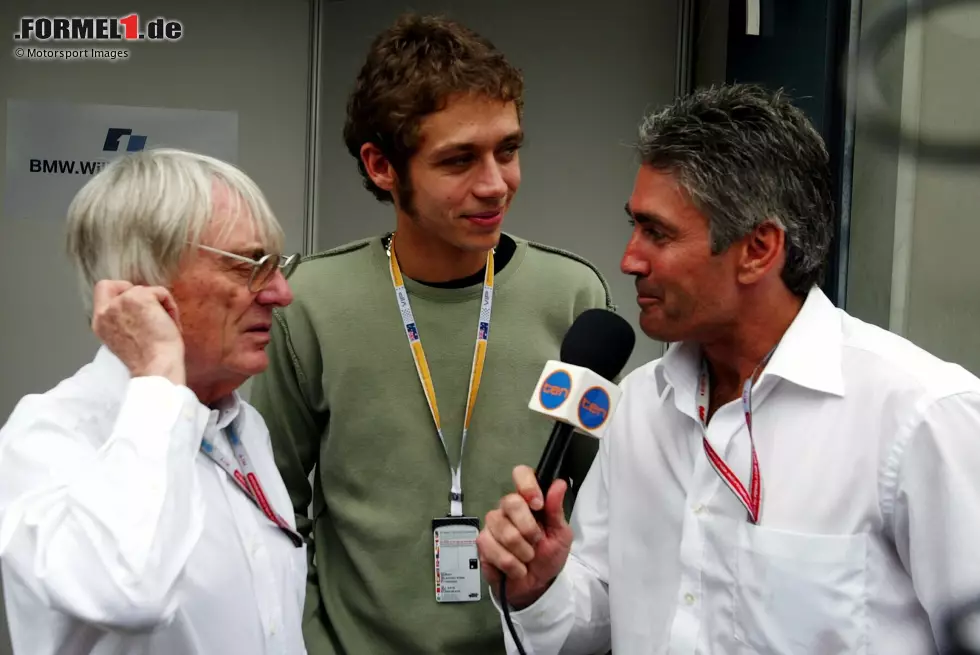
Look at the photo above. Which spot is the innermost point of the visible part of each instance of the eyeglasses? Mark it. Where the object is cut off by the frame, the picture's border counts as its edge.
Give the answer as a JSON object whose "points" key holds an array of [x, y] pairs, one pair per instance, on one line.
{"points": [[262, 269]]}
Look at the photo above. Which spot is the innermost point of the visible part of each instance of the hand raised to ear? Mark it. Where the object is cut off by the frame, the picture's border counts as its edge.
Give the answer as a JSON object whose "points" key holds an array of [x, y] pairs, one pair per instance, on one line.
{"points": [[141, 326]]}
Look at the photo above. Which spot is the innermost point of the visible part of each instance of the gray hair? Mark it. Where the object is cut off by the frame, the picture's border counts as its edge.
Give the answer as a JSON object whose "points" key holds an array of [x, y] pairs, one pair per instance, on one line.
{"points": [[746, 155], [135, 219]]}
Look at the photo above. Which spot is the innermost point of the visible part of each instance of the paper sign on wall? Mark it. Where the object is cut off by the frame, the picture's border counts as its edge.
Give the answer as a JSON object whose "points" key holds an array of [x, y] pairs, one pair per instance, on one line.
{"points": [[53, 148]]}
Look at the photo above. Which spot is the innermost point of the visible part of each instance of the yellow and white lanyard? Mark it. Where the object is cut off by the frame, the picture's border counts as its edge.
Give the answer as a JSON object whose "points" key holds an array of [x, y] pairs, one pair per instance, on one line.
{"points": [[422, 367]]}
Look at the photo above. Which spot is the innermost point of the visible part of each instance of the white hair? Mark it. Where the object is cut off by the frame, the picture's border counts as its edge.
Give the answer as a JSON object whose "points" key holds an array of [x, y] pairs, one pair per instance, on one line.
{"points": [[134, 219]]}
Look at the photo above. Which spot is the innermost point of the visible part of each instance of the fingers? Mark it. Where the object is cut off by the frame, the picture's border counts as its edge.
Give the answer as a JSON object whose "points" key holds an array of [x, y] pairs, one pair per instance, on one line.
{"points": [[517, 511], [105, 290], [141, 319], [554, 506], [516, 529], [496, 556], [515, 545], [168, 302], [507, 542], [526, 484]]}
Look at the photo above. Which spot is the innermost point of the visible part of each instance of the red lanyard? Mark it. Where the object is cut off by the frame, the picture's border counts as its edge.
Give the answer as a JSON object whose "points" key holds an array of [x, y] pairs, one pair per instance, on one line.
{"points": [[752, 499], [249, 482]]}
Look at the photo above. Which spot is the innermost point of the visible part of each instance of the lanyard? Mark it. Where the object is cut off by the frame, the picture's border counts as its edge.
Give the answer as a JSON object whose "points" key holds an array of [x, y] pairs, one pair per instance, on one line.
{"points": [[752, 499], [249, 482], [422, 367]]}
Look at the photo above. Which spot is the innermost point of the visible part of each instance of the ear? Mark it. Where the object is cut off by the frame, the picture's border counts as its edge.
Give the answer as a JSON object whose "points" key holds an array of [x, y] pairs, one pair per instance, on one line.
{"points": [[378, 168], [762, 251]]}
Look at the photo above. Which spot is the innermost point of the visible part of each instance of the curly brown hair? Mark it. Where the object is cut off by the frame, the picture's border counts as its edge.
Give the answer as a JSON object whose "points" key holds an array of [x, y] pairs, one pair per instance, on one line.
{"points": [[412, 70]]}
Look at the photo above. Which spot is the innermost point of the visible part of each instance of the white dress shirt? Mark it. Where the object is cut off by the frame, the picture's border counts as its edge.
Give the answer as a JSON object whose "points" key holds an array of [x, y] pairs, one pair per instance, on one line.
{"points": [[869, 452], [118, 535]]}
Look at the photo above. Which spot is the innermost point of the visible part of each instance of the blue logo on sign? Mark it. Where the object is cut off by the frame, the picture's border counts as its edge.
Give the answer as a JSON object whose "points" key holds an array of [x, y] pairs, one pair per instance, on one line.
{"points": [[484, 330], [134, 143], [413, 333], [555, 390], [594, 408]]}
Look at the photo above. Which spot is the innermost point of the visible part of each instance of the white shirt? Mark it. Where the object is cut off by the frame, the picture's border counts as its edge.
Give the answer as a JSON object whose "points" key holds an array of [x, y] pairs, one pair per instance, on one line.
{"points": [[118, 535], [869, 451]]}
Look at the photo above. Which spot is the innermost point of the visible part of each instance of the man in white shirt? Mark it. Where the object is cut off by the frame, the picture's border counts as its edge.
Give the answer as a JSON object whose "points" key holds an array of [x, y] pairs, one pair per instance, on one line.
{"points": [[141, 510], [844, 521]]}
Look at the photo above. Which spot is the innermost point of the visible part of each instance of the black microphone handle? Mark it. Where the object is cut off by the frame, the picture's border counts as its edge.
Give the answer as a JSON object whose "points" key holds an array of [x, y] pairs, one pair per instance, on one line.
{"points": [[551, 459]]}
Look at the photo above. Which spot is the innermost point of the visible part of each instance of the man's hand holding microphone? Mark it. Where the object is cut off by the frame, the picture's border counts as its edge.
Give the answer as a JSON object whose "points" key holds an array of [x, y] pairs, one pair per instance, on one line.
{"points": [[514, 544], [526, 541]]}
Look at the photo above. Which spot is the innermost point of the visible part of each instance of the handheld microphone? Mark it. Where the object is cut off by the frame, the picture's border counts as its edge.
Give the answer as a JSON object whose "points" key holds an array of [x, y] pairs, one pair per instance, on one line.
{"points": [[577, 391]]}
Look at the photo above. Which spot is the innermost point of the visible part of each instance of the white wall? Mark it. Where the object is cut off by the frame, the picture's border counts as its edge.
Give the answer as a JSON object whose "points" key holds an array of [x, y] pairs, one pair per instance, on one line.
{"points": [[253, 59], [591, 71]]}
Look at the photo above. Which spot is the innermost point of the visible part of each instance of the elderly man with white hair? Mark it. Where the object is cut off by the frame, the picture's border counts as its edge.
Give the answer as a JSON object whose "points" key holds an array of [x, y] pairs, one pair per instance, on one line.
{"points": [[141, 510]]}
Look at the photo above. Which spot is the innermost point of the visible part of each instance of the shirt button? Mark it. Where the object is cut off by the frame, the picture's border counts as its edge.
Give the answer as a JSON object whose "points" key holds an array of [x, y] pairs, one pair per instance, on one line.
{"points": [[699, 509], [689, 599]]}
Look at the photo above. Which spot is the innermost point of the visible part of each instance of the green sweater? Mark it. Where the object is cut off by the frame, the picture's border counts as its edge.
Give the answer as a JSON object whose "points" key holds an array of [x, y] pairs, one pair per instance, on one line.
{"points": [[342, 393]]}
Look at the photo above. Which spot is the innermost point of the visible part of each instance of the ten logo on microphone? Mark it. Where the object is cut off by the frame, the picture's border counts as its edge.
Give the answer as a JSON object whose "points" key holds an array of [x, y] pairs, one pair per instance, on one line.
{"points": [[97, 28], [555, 390], [593, 410]]}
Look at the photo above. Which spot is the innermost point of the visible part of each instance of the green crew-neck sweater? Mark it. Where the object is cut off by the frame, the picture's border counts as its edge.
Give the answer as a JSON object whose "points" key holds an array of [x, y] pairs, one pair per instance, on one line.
{"points": [[341, 393]]}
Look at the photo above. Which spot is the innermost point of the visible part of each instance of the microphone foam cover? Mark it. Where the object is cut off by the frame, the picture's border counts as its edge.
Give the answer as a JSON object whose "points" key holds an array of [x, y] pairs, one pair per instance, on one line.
{"points": [[599, 340]]}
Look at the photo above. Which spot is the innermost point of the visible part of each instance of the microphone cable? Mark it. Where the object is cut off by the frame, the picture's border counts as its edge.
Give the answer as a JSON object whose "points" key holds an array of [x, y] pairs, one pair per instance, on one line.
{"points": [[872, 108], [506, 610]]}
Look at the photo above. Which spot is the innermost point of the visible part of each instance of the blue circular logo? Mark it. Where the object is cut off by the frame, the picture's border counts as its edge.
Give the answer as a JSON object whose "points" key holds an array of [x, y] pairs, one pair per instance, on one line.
{"points": [[555, 390], [593, 410]]}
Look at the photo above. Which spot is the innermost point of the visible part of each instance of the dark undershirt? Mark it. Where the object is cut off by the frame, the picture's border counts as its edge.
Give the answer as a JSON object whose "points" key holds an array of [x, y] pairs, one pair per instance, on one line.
{"points": [[503, 254]]}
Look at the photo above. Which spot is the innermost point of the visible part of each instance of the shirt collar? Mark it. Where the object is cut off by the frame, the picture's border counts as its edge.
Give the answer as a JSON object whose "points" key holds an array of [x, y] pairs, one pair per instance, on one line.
{"points": [[808, 355], [226, 410]]}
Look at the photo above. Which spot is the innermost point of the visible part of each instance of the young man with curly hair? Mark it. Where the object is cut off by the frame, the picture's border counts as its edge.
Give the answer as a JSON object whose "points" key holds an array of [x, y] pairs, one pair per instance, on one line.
{"points": [[402, 370]]}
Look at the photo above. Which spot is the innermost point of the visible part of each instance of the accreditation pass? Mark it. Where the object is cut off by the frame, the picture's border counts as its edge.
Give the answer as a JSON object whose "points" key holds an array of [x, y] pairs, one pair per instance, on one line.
{"points": [[457, 564]]}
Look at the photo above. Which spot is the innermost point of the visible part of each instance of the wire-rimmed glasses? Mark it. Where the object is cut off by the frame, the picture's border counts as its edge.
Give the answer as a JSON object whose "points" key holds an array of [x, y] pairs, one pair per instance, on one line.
{"points": [[263, 268]]}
